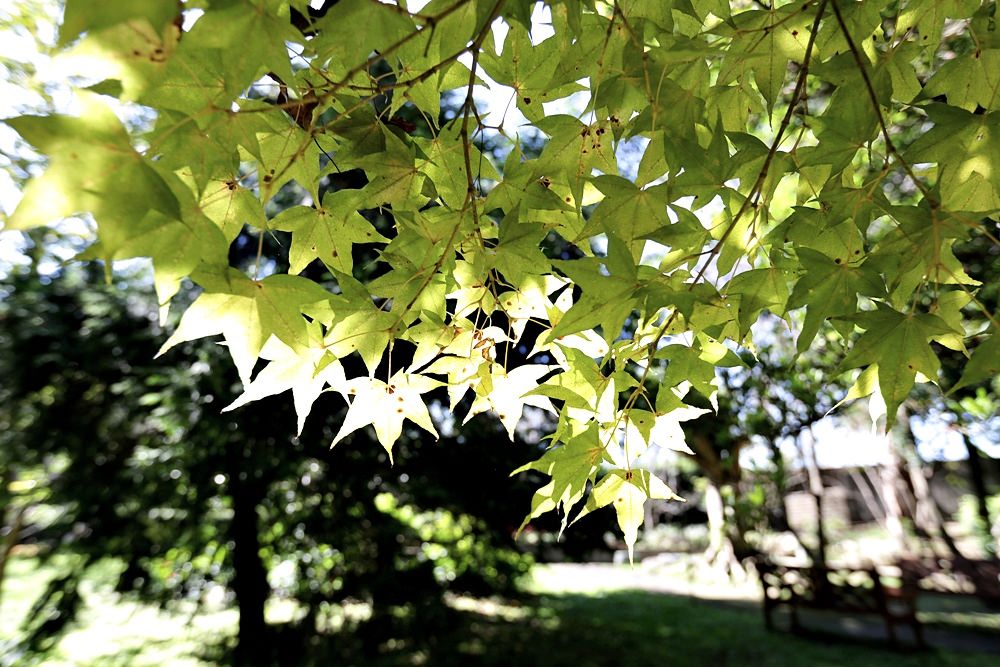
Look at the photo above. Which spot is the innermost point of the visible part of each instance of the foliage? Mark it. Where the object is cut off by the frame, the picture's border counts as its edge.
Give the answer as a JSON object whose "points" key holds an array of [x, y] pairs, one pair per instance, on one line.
{"points": [[149, 475], [787, 128]]}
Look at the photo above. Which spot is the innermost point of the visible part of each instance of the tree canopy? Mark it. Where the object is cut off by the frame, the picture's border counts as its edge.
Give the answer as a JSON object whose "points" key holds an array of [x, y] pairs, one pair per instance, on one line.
{"points": [[668, 173]]}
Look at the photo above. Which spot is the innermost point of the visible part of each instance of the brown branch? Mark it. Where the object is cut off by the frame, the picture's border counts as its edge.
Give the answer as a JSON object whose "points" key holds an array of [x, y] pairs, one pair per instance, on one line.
{"points": [[754, 196], [470, 195], [873, 97]]}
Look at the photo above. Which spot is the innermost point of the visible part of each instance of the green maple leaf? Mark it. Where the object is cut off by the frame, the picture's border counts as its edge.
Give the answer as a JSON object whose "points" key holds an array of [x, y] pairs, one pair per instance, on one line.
{"points": [[764, 42], [626, 211], [393, 176], [529, 68], [846, 127], [517, 255], [812, 228], [249, 38], [571, 465], [984, 364], [230, 206], [365, 330], [574, 149], [758, 290], [248, 312], [506, 394], [287, 153], [129, 58], [79, 16], [305, 372], [969, 81], [198, 80], [385, 405], [900, 344], [606, 299], [827, 289], [521, 190], [195, 154], [689, 366], [445, 165], [965, 146], [92, 168], [327, 233], [919, 249], [704, 176], [927, 18], [178, 248], [627, 491], [338, 36]]}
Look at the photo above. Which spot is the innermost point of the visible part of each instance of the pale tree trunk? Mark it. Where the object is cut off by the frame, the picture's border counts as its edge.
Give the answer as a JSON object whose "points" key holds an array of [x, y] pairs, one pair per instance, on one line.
{"points": [[716, 510], [871, 503], [890, 480], [816, 490], [928, 515], [726, 540], [978, 480]]}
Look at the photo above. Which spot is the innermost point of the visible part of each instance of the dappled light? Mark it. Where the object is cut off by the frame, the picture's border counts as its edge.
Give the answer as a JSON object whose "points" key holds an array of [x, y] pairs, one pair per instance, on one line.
{"points": [[499, 332]]}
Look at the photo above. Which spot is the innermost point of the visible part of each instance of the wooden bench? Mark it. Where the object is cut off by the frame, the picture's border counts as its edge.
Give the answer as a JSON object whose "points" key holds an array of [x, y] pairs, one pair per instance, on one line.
{"points": [[841, 590], [955, 576]]}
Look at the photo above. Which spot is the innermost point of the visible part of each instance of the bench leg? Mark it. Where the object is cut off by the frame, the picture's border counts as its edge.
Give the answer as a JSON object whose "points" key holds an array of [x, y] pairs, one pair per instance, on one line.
{"points": [[890, 627], [918, 632]]}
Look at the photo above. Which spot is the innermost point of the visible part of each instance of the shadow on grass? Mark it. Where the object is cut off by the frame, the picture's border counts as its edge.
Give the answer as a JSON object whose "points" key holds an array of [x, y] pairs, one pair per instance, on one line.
{"points": [[619, 629]]}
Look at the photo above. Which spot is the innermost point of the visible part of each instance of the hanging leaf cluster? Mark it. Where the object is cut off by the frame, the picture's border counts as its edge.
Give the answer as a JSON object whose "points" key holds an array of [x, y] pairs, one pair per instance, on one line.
{"points": [[703, 163]]}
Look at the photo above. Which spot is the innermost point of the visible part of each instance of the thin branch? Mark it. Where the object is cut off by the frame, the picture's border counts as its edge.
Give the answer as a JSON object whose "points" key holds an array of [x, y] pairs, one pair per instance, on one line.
{"points": [[754, 196], [470, 195], [873, 97]]}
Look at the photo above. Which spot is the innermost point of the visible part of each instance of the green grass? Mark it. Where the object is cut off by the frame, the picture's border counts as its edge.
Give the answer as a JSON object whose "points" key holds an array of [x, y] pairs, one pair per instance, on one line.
{"points": [[565, 620], [110, 631]]}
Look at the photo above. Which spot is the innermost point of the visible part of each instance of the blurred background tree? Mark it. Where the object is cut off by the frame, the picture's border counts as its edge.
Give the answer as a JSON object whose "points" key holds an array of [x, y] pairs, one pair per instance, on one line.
{"points": [[121, 457]]}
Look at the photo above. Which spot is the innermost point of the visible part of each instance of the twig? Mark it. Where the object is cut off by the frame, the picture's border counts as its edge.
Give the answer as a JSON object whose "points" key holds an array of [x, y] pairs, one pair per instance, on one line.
{"points": [[889, 146], [754, 195]]}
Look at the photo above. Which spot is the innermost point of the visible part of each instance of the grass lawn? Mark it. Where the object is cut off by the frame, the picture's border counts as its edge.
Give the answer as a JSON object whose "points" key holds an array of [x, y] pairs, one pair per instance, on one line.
{"points": [[565, 620]]}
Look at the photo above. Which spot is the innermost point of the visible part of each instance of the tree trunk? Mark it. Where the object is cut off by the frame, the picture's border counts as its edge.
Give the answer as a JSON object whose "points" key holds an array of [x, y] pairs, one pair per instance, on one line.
{"points": [[889, 480], [716, 510], [928, 515], [816, 490], [871, 503], [250, 576], [727, 544], [978, 480]]}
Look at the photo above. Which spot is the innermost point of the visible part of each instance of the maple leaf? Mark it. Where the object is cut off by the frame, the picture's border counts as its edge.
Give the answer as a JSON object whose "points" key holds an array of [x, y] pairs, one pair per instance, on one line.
{"points": [[900, 344], [92, 168], [644, 429], [965, 146], [248, 312], [572, 466], [385, 405], [764, 42], [829, 289], [627, 491], [984, 364], [305, 371], [327, 232], [506, 393]]}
